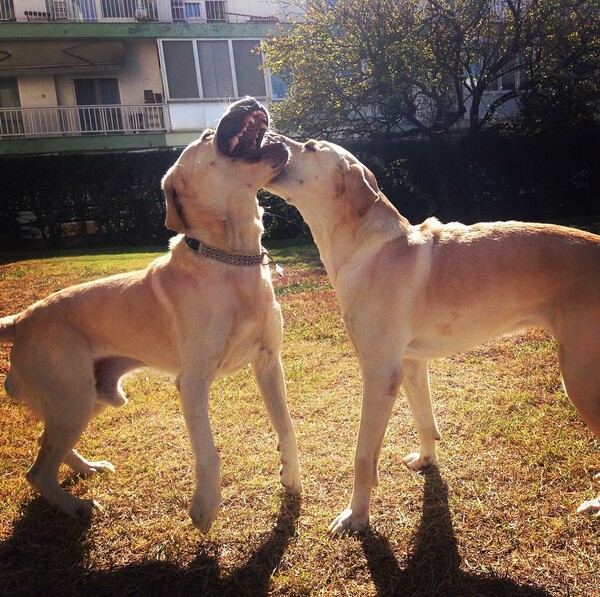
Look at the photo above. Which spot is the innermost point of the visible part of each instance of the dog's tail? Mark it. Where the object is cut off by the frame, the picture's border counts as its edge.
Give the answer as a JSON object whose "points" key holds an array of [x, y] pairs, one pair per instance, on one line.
{"points": [[7, 328]]}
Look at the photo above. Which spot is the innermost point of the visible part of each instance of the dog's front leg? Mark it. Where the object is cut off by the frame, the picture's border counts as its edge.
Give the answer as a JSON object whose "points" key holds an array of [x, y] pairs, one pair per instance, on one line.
{"points": [[269, 375], [416, 385], [380, 389], [207, 497]]}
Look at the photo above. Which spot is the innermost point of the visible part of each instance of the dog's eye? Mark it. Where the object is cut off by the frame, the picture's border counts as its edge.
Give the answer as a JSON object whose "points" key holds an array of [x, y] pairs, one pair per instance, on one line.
{"points": [[311, 145]]}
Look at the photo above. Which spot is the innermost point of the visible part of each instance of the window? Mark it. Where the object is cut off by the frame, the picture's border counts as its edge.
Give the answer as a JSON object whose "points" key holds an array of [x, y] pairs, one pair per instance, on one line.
{"points": [[9, 93], [279, 84], [193, 11], [123, 9], [250, 77], [7, 10], [215, 11], [94, 93], [11, 120], [508, 81], [213, 69], [180, 69]]}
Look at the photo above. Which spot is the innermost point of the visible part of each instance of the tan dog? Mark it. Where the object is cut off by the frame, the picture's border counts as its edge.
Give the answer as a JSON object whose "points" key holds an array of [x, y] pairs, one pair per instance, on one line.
{"points": [[413, 293], [200, 312]]}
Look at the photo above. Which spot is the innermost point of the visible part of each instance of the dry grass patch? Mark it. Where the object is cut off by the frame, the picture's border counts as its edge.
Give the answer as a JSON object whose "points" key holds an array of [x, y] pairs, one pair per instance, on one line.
{"points": [[496, 518]]}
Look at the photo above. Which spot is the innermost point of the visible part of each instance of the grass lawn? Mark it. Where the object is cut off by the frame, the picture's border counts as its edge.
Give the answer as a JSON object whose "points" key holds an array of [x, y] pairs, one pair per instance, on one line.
{"points": [[497, 517]]}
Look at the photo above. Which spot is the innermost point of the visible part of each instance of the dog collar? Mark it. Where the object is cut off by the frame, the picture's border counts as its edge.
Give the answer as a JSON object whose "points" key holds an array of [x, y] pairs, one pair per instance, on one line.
{"points": [[224, 257]]}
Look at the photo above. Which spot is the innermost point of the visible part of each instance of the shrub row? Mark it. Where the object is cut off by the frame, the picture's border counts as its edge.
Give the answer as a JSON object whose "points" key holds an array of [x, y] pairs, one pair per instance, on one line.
{"points": [[64, 200], [552, 175]]}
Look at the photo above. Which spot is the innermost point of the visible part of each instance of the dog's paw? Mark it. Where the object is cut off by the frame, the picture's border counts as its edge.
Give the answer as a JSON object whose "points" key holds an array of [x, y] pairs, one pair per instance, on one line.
{"points": [[88, 469], [348, 522], [204, 508], [74, 507], [85, 468], [417, 462], [290, 479], [590, 507]]}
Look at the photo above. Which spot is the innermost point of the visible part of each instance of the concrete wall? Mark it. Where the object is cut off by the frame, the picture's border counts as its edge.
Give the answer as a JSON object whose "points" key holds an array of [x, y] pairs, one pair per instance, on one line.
{"points": [[140, 71]]}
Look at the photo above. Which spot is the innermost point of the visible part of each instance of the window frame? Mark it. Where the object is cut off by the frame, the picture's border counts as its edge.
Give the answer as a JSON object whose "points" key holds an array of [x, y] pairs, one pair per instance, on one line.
{"points": [[201, 97]]}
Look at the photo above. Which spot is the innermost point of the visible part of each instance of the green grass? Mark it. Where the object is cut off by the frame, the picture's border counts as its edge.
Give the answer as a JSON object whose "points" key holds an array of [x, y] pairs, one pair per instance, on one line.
{"points": [[497, 517]]}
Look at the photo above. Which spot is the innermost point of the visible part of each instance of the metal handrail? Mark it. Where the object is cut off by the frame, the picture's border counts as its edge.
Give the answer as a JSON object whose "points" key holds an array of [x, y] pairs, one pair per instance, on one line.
{"points": [[111, 11], [60, 121]]}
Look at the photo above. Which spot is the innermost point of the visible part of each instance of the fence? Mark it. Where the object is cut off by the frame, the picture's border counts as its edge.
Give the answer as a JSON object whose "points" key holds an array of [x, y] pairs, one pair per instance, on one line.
{"points": [[204, 11], [81, 120]]}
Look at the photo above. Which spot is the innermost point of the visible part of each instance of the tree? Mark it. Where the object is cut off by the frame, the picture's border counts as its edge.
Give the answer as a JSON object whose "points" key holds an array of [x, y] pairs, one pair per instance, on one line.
{"points": [[565, 73], [396, 67]]}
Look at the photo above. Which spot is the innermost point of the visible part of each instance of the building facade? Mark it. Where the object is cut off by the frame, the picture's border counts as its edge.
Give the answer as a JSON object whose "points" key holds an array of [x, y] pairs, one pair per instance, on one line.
{"points": [[82, 76]]}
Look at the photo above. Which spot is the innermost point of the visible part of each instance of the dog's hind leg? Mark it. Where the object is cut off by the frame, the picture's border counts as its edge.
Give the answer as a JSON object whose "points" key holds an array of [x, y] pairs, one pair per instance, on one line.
{"points": [[580, 367], [416, 385], [81, 466], [63, 427], [108, 372]]}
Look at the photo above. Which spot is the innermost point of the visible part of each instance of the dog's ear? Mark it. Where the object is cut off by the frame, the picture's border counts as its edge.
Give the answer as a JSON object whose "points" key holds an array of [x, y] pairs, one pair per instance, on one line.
{"points": [[361, 189], [174, 221]]}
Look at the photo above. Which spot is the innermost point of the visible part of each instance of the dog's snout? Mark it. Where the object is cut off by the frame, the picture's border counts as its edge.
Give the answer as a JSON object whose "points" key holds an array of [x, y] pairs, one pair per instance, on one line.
{"points": [[247, 104]]}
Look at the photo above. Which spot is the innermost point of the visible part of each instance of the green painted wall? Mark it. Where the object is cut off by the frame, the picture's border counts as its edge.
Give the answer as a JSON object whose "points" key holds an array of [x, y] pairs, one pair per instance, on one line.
{"points": [[140, 30], [83, 144]]}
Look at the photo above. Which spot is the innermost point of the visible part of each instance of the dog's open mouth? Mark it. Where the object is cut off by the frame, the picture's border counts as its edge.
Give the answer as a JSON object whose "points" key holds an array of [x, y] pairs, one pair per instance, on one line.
{"points": [[241, 134], [250, 136]]}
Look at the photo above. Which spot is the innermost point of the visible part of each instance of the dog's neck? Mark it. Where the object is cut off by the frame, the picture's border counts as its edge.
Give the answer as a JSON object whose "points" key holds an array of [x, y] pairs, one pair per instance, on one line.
{"points": [[235, 231], [339, 237]]}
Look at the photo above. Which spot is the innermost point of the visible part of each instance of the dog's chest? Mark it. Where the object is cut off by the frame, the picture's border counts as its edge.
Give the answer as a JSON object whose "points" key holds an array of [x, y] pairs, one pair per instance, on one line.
{"points": [[243, 340], [250, 326]]}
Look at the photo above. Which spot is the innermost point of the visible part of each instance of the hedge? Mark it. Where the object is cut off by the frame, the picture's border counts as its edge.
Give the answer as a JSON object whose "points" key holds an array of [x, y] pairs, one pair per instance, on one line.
{"points": [[65, 200]]}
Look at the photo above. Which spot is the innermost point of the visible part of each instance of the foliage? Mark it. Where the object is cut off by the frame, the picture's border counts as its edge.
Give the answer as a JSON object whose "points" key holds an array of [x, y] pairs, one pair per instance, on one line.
{"points": [[534, 176], [280, 219], [119, 193], [565, 79], [388, 68]]}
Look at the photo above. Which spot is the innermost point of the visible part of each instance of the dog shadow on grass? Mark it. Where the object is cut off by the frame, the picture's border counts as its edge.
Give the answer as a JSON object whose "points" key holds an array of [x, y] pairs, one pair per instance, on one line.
{"points": [[43, 550], [433, 565], [48, 554]]}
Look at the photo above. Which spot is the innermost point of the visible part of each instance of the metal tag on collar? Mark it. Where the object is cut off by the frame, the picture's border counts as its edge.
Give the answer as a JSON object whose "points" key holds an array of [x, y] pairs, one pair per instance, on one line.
{"points": [[270, 261]]}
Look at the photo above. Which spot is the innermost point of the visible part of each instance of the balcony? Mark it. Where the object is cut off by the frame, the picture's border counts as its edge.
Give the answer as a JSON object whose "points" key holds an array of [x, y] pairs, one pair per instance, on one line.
{"points": [[74, 121], [114, 11]]}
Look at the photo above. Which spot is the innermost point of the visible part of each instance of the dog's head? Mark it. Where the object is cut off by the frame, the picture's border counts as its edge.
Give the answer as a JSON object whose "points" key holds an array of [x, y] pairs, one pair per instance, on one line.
{"points": [[319, 172], [224, 166]]}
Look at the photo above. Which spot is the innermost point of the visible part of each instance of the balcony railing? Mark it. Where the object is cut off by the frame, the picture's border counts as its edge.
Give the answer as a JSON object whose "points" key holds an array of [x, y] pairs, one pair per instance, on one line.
{"points": [[7, 10], [200, 11], [65, 121]]}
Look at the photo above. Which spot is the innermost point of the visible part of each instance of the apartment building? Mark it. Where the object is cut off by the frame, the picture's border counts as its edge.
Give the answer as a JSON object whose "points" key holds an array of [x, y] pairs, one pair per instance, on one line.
{"points": [[127, 75]]}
